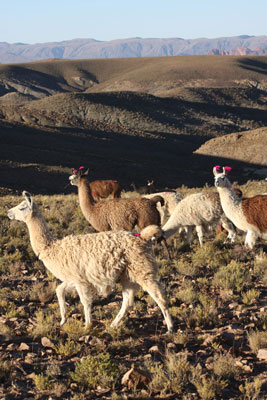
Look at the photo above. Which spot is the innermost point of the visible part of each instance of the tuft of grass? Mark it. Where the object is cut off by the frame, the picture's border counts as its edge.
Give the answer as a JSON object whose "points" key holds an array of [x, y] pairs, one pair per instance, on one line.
{"points": [[224, 366], [250, 296], [94, 371], [74, 328], [234, 276], [169, 376], [69, 348], [257, 340], [6, 370], [187, 293], [251, 389], [46, 325], [211, 254], [43, 292], [42, 382]]}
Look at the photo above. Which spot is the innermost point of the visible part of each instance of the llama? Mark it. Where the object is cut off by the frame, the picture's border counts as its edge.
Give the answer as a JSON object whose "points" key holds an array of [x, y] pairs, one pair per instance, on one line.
{"points": [[201, 210], [171, 199], [93, 263], [101, 189], [249, 214], [115, 214], [147, 189]]}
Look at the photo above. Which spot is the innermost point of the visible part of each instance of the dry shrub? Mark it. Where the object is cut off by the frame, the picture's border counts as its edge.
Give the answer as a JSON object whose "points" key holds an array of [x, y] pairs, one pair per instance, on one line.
{"points": [[211, 254], [234, 276], [257, 340], [171, 376]]}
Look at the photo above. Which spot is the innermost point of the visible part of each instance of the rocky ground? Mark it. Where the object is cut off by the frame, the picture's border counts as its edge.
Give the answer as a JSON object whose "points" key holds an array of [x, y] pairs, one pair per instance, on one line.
{"points": [[217, 297]]}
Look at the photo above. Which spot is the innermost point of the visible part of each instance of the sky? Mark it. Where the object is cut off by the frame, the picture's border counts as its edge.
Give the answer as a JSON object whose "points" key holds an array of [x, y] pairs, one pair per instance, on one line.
{"points": [[40, 21]]}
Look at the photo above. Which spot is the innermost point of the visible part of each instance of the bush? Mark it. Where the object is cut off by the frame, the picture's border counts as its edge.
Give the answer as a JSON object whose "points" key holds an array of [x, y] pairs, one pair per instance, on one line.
{"points": [[98, 370], [233, 277]]}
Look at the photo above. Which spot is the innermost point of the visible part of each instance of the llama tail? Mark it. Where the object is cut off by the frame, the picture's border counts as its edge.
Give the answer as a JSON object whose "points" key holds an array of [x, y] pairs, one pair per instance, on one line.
{"points": [[151, 232], [158, 199]]}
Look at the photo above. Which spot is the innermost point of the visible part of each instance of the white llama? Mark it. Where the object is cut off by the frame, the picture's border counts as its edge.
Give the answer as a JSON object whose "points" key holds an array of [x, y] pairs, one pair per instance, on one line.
{"points": [[249, 214], [200, 210], [93, 263]]}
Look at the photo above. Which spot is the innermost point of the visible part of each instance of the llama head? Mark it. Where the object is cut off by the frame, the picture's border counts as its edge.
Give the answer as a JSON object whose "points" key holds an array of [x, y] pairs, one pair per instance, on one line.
{"points": [[22, 210], [221, 179], [77, 174]]}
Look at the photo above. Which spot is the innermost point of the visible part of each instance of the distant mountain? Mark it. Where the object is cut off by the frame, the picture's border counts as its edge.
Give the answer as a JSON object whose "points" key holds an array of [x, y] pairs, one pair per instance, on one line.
{"points": [[133, 47]]}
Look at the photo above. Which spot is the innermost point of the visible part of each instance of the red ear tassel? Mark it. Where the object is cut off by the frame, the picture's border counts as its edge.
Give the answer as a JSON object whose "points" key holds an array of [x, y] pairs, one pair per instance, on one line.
{"points": [[227, 169]]}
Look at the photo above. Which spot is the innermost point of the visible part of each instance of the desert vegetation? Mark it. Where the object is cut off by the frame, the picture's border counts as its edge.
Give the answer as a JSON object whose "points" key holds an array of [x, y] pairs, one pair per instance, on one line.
{"points": [[217, 296]]}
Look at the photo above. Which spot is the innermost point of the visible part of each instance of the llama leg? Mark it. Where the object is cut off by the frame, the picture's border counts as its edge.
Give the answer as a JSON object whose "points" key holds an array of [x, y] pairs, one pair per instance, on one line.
{"points": [[86, 297], [128, 292], [251, 238], [199, 230], [154, 290], [227, 225], [188, 230], [60, 291]]}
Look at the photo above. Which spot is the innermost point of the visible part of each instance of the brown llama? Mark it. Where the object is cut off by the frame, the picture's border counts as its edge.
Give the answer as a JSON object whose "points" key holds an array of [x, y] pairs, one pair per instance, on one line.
{"points": [[115, 214], [101, 189]]}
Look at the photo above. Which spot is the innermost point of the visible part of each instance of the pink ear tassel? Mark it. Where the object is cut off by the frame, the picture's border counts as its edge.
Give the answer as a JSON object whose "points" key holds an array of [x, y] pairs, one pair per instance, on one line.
{"points": [[75, 171], [228, 169], [217, 167], [81, 168]]}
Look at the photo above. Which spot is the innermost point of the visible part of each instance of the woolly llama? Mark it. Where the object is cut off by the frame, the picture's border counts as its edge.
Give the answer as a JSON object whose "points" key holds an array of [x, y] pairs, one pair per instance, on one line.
{"points": [[201, 210], [94, 263], [115, 214], [249, 214], [171, 199]]}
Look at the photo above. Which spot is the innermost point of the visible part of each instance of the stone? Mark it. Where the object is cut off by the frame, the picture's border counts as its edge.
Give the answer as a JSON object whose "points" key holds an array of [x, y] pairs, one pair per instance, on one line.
{"points": [[24, 347], [262, 354], [46, 342]]}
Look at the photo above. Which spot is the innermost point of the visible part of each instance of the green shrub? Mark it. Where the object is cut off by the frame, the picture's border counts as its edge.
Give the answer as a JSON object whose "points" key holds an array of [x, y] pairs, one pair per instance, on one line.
{"points": [[98, 370], [46, 325], [211, 254], [234, 276]]}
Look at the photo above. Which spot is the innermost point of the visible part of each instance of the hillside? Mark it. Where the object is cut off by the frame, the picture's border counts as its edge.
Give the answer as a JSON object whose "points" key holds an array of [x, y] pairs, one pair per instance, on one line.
{"points": [[127, 119], [132, 48]]}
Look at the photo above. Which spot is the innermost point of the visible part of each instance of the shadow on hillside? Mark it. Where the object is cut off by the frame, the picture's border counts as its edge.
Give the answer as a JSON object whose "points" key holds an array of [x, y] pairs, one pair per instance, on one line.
{"points": [[41, 161], [253, 64]]}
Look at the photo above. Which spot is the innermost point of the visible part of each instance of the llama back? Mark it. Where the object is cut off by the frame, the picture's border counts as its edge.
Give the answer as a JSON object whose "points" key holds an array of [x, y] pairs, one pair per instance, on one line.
{"points": [[197, 208]]}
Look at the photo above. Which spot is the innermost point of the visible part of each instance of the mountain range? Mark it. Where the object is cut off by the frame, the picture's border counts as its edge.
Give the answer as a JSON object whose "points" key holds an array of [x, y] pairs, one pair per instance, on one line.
{"points": [[132, 47]]}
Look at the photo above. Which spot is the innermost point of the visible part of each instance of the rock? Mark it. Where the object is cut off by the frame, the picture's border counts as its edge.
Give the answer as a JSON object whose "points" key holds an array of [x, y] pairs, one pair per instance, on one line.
{"points": [[154, 349], [46, 342], [262, 354], [24, 347], [135, 379]]}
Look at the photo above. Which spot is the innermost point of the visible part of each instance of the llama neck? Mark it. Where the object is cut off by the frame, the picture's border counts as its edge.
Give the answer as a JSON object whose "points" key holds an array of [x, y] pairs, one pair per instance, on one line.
{"points": [[228, 197], [232, 206], [85, 197], [40, 236]]}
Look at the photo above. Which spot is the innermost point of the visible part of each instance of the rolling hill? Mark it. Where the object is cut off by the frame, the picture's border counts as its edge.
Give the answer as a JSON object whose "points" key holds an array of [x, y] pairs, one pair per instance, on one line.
{"points": [[127, 119]]}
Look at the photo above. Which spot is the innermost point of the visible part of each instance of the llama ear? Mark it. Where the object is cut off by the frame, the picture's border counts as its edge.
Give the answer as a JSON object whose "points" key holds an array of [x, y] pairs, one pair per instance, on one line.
{"points": [[28, 198], [226, 170], [216, 170]]}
